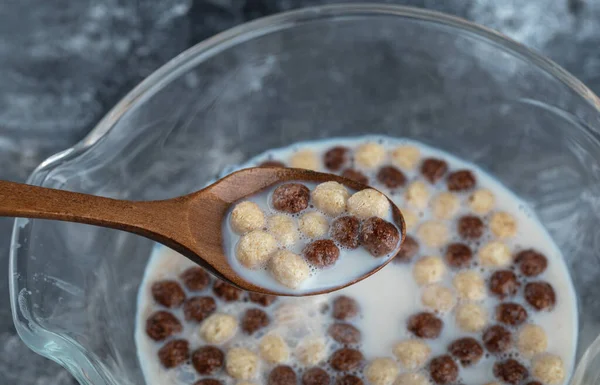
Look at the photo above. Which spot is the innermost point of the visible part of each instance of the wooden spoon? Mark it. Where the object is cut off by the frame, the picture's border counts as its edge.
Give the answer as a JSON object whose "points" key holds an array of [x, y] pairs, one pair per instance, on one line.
{"points": [[190, 224]]}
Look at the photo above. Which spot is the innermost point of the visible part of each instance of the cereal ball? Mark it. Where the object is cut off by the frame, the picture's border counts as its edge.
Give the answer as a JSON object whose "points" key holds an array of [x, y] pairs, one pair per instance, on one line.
{"points": [[335, 158], [471, 317], [195, 278], [254, 248], [425, 325], [321, 253], [161, 325], [288, 268], [262, 299], [408, 250], [208, 381], [531, 262], [226, 292], [245, 383], [346, 359], [433, 169], [445, 205], [417, 194], [330, 198], [495, 254], [470, 227], [305, 159], [345, 231], [461, 180], [290, 198], [199, 308], [503, 225], [510, 371], [174, 353], [504, 283], [482, 201], [379, 237], [168, 293], [391, 177], [548, 368], [433, 233], [208, 359], [443, 369], [532, 340], [428, 270], [241, 363], [410, 218], [315, 376], [458, 255], [273, 349], [540, 295], [469, 285], [497, 339], [254, 320], [313, 224], [369, 155], [412, 379], [283, 229], [381, 371], [311, 351], [467, 350], [349, 379], [246, 216], [218, 328], [406, 156], [368, 203], [356, 176], [412, 354], [439, 298], [344, 333], [344, 308]]}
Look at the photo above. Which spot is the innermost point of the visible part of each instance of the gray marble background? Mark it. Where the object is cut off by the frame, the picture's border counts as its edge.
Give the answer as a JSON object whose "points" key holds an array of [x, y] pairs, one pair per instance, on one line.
{"points": [[64, 63]]}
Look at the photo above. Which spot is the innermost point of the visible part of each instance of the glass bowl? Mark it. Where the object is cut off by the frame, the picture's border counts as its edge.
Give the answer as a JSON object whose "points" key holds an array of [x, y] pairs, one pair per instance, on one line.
{"points": [[320, 72]]}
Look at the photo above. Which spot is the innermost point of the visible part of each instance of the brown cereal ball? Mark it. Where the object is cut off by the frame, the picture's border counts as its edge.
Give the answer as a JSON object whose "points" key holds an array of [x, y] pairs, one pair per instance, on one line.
{"points": [[410, 218], [458, 255], [272, 163], [291, 198], [241, 363], [273, 349], [471, 317], [391, 177], [349, 379], [495, 254], [289, 269], [532, 340], [425, 325], [433, 169], [368, 203], [262, 299], [254, 320], [379, 237], [534, 383], [161, 325], [411, 379], [356, 176], [406, 156], [195, 278], [549, 369], [311, 351], [198, 308], [305, 159], [344, 333], [330, 198], [345, 230], [315, 376], [346, 359], [503, 225], [321, 253], [245, 217], [254, 248], [497, 339], [218, 328], [439, 298], [369, 155], [482, 201], [168, 293], [417, 194], [461, 180], [504, 283], [174, 353], [335, 158], [313, 224], [510, 371], [467, 350], [531, 262], [208, 381], [412, 353], [344, 308], [226, 292], [428, 270], [283, 229], [443, 369], [381, 371], [445, 205], [540, 295], [470, 227], [469, 285], [208, 360], [433, 233], [408, 249]]}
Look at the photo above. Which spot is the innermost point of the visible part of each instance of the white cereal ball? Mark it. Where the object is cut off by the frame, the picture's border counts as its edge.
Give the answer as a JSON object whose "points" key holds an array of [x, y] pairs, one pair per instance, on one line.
{"points": [[471, 317], [241, 363], [218, 328], [369, 155], [469, 285], [438, 298], [305, 159], [254, 248], [288, 313], [503, 225], [549, 369], [273, 349], [482, 201], [406, 156], [283, 229], [313, 224], [311, 351], [433, 233], [381, 371], [412, 379], [532, 340], [368, 203], [410, 218], [417, 194], [445, 205], [330, 198], [289, 269], [429, 270], [246, 216], [245, 383], [495, 254], [412, 354]]}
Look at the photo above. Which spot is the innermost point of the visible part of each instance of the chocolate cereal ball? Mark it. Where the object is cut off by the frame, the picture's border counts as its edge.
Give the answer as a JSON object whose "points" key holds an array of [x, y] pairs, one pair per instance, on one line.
{"points": [[438, 298], [262, 299], [161, 325], [174, 353], [497, 339], [313, 224], [291, 198], [471, 317], [458, 255], [425, 325], [305, 159], [433, 233], [417, 194], [330, 198], [283, 229], [344, 333], [198, 308], [335, 158], [391, 177], [381, 371], [315, 376], [273, 349], [540, 295], [321, 253], [356, 176], [345, 231], [511, 313], [226, 292], [445, 205], [369, 155], [241, 363], [344, 308], [195, 278], [549, 369], [467, 350], [412, 353], [433, 169], [379, 237], [503, 225], [482, 201], [428, 270], [495, 254], [408, 250], [208, 360], [510, 371], [245, 217], [282, 375], [406, 156], [368, 203], [349, 379], [531, 262], [288, 268], [218, 328], [254, 248], [461, 180], [208, 381], [412, 379], [311, 351], [532, 340], [470, 227], [443, 369], [254, 320], [168, 293], [469, 285], [504, 283], [346, 359]]}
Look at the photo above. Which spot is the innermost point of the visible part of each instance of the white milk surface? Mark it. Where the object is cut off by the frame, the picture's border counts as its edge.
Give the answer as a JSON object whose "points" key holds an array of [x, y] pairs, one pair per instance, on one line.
{"points": [[386, 299]]}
